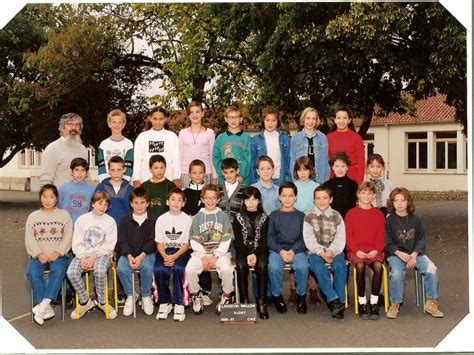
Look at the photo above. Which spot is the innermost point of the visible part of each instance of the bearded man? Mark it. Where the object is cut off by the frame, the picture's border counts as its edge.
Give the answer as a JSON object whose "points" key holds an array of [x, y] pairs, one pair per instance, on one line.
{"points": [[58, 155]]}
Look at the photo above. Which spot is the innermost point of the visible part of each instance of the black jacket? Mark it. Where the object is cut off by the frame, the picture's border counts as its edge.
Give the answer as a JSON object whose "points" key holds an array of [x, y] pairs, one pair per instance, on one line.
{"points": [[133, 239]]}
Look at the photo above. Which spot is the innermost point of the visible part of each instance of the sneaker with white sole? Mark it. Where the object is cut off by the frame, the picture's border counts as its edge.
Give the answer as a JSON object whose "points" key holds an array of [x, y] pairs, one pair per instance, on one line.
{"points": [[40, 314], [179, 315], [197, 302], [48, 314], [206, 300], [112, 312], [224, 300], [164, 310], [128, 307], [147, 306], [83, 309]]}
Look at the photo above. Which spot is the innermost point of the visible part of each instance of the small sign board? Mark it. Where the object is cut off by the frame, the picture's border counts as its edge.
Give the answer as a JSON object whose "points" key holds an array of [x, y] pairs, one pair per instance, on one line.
{"points": [[244, 313]]}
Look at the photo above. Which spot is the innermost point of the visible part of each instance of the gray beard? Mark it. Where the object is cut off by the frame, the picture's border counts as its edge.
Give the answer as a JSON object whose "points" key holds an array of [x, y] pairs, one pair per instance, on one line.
{"points": [[73, 140]]}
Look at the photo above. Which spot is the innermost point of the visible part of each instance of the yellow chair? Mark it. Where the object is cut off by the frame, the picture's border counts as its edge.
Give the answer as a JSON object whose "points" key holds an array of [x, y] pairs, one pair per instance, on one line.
{"points": [[63, 298], [114, 273], [384, 285]]}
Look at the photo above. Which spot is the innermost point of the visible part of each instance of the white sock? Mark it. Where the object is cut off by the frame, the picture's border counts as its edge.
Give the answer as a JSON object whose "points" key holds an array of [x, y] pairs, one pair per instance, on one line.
{"points": [[362, 300], [45, 302], [374, 299]]}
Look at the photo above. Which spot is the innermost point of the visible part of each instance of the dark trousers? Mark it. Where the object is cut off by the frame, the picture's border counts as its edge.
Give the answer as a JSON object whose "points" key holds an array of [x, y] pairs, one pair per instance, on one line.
{"points": [[243, 273]]}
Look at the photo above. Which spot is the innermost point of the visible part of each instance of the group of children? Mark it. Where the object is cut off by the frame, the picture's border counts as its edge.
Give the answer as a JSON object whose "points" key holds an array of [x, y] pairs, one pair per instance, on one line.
{"points": [[308, 206]]}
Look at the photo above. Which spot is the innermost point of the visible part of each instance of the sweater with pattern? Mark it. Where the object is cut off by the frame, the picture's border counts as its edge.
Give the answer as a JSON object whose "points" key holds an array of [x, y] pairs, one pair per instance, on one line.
{"points": [[47, 232]]}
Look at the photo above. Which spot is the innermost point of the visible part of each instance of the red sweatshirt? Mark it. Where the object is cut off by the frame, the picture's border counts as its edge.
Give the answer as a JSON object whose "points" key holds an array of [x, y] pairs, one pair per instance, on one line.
{"points": [[350, 143], [364, 230]]}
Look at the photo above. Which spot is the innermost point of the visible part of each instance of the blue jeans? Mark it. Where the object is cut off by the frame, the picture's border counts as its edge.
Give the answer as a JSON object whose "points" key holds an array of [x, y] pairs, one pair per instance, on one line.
{"points": [[331, 289], [57, 273], [397, 271], [146, 274], [275, 272]]}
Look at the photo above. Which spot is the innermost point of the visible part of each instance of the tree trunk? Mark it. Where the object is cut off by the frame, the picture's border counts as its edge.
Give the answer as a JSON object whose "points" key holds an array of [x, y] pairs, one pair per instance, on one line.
{"points": [[5, 160]]}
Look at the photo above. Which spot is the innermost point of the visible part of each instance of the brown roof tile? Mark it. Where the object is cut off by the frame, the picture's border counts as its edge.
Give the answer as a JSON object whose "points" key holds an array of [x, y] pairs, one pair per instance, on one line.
{"points": [[429, 110]]}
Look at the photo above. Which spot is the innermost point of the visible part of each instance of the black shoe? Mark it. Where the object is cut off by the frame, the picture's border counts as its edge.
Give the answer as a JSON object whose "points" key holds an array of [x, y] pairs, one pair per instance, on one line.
{"points": [[336, 306], [374, 311], [280, 304], [301, 304], [364, 311], [262, 309], [340, 315]]}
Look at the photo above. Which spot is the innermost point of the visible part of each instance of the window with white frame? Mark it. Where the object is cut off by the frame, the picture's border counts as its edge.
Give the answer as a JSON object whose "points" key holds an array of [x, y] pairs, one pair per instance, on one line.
{"points": [[369, 145], [30, 158], [445, 150], [417, 150]]}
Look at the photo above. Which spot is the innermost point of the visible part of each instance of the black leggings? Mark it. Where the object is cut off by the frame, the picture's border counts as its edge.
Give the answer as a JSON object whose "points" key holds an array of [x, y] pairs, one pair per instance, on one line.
{"points": [[376, 267], [243, 275]]}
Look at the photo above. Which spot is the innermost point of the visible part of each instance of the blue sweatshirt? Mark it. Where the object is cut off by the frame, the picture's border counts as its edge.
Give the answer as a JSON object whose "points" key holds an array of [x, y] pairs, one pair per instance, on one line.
{"points": [[119, 202], [75, 198], [285, 231]]}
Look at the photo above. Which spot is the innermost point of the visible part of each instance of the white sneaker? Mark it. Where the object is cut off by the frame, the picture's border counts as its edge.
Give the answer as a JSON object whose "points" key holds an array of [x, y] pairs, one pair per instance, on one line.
{"points": [[48, 314], [83, 309], [128, 307], [224, 300], [147, 305], [40, 314], [197, 302], [112, 312], [207, 300], [179, 315], [164, 310]]}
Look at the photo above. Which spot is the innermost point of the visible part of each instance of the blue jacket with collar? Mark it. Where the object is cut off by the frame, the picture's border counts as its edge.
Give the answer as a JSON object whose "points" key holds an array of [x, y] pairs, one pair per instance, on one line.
{"points": [[259, 148], [299, 147]]}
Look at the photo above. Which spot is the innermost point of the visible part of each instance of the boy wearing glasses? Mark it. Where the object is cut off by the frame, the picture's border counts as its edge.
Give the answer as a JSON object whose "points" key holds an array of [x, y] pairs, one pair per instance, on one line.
{"points": [[233, 143]]}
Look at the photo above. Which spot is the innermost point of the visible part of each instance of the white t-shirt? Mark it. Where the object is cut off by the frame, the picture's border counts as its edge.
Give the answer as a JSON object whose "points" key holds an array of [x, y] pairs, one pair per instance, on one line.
{"points": [[153, 142], [173, 230], [272, 140]]}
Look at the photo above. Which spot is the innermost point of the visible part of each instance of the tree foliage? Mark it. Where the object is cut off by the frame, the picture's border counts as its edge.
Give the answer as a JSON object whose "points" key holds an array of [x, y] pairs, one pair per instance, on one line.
{"points": [[89, 59]]}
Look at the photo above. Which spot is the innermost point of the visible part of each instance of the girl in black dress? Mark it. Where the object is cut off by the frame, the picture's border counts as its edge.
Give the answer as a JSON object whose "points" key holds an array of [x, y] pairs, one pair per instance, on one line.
{"points": [[250, 229]]}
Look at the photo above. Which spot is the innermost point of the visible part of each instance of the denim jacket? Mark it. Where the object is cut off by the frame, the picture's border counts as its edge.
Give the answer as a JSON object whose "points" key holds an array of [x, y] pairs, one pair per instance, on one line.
{"points": [[259, 148], [299, 147]]}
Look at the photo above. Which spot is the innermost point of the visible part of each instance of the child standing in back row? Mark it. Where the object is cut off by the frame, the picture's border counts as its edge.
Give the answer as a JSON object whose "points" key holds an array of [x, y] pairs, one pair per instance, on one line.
{"points": [[383, 186], [233, 143], [311, 143], [156, 140], [48, 235], [196, 142], [115, 145], [273, 143], [405, 241], [344, 139], [364, 246]]}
